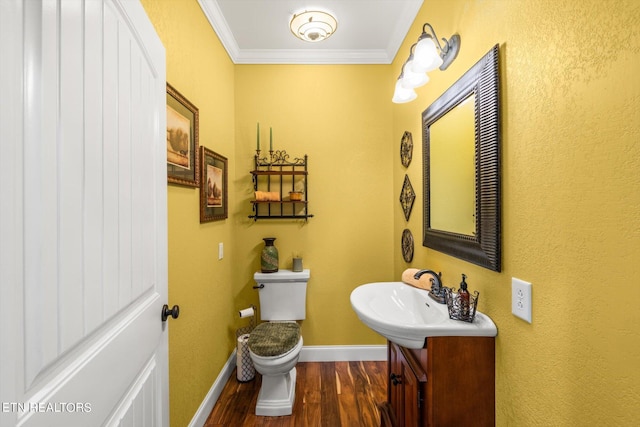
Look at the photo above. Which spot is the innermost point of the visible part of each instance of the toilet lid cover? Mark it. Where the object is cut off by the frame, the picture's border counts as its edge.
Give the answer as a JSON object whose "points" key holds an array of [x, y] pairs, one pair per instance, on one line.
{"points": [[273, 339]]}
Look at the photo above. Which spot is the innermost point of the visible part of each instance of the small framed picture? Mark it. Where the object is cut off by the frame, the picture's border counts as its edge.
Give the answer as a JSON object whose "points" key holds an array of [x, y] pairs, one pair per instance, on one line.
{"points": [[182, 140], [213, 186]]}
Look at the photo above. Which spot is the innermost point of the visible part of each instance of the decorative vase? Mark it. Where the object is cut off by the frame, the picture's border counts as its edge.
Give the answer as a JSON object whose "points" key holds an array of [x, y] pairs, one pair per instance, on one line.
{"points": [[269, 257]]}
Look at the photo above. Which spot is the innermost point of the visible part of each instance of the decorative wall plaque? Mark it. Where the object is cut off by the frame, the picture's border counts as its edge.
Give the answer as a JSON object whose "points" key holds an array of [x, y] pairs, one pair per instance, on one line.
{"points": [[407, 196], [406, 149], [407, 245]]}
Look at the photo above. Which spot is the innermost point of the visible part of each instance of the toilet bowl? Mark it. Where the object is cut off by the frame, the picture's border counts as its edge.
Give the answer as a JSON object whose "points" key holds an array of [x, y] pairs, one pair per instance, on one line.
{"points": [[275, 345], [277, 393]]}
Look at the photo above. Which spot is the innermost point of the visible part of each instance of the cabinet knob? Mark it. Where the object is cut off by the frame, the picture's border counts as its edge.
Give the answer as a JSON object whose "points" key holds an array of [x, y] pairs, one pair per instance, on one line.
{"points": [[395, 379]]}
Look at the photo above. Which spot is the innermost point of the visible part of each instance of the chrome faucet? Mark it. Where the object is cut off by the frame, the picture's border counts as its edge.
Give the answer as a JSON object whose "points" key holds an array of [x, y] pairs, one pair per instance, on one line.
{"points": [[437, 290]]}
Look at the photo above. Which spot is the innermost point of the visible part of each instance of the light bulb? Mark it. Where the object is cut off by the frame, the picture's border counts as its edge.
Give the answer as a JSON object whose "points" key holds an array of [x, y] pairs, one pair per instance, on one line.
{"points": [[411, 80], [425, 57], [402, 95]]}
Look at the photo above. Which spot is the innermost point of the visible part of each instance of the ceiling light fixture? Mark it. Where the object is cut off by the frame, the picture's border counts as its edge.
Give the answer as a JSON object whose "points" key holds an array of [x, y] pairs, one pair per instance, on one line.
{"points": [[425, 55], [313, 25]]}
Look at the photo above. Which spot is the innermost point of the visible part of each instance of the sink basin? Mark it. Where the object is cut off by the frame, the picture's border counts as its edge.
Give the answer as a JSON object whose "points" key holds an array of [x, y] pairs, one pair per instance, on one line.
{"points": [[406, 315]]}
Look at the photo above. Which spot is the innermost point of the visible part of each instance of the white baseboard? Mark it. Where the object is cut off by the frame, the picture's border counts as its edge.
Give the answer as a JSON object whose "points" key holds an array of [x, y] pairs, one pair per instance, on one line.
{"points": [[309, 353], [342, 353], [214, 393]]}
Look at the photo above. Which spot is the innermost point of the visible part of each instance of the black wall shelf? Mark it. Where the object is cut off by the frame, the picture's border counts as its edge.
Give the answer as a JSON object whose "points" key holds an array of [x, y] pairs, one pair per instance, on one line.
{"points": [[276, 177]]}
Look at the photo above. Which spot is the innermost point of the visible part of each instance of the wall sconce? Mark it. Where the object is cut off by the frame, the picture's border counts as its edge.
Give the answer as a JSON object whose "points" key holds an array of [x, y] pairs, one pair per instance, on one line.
{"points": [[313, 26], [425, 55]]}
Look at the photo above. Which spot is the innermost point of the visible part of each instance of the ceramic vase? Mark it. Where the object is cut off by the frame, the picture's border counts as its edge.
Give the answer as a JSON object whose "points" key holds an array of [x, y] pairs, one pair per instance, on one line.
{"points": [[269, 257]]}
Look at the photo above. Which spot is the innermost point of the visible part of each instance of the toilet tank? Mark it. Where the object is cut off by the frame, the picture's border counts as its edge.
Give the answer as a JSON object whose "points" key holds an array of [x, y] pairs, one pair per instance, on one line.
{"points": [[283, 294]]}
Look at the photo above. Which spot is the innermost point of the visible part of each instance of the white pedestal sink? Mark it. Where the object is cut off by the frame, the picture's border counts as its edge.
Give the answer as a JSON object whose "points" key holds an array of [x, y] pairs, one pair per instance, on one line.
{"points": [[406, 315]]}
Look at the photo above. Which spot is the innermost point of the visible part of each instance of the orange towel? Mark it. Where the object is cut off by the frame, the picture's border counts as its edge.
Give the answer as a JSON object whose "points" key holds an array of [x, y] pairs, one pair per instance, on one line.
{"points": [[267, 196], [423, 282]]}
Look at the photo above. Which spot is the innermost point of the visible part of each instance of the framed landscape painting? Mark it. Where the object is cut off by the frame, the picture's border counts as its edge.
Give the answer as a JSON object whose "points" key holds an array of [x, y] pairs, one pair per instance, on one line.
{"points": [[213, 186], [182, 140]]}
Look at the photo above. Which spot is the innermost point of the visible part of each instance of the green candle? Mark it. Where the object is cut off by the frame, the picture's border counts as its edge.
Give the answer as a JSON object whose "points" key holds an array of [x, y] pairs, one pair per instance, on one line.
{"points": [[258, 137], [271, 139]]}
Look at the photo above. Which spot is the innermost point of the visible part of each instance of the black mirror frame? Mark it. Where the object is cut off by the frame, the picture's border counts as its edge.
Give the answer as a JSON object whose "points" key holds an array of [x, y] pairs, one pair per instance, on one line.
{"points": [[483, 248]]}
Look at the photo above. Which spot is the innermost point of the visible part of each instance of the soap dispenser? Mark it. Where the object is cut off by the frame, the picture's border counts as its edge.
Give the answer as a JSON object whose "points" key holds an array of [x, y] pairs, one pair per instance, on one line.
{"points": [[463, 297]]}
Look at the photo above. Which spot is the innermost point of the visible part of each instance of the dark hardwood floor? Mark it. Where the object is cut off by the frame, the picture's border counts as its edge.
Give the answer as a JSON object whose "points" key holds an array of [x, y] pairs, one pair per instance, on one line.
{"points": [[328, 394]]}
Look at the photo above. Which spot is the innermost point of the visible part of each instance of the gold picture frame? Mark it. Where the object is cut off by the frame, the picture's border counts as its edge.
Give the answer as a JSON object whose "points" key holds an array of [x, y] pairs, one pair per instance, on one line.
{"points": [[213, 186], [182, 140]]}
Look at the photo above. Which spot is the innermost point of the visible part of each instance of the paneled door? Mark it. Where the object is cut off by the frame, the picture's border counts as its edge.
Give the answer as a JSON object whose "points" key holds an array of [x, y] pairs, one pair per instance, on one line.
{"points": [[83, 222]]}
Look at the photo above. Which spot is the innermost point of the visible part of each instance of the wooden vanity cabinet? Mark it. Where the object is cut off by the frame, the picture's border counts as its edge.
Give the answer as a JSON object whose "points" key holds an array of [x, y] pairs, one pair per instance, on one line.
{"points": [[448, 382]]}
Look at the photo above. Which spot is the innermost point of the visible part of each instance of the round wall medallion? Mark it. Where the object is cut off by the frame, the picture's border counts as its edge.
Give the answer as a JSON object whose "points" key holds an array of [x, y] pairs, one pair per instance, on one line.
{"points": [[406, 149], [407, 245]]}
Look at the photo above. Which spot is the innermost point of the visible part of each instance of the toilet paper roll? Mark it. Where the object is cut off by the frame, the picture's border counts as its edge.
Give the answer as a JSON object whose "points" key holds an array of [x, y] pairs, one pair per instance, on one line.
{"points": [[247, 312], [243, 339], [245, 370]]}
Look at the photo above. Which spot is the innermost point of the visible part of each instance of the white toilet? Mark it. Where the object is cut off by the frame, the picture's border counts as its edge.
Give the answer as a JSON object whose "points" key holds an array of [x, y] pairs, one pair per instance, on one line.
{"points": [[274, 346]]}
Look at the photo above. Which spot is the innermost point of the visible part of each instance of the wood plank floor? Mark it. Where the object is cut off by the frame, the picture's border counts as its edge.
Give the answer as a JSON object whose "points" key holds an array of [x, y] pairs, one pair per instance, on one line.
{"points": [[328, 394]]}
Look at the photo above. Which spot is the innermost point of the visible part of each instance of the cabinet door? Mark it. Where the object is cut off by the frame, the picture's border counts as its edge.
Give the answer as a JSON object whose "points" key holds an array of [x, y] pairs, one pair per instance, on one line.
{"points": [[396, 394], [410, 396]]}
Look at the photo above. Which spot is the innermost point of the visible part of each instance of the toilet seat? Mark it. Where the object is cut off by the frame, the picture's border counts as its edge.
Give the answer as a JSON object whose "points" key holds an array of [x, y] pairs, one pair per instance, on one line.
{"points": [[274, 339]]}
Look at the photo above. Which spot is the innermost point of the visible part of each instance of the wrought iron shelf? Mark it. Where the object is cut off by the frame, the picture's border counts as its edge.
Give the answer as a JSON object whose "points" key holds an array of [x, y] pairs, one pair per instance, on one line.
{"points": [[279, 202], [278, 172], [257, 217], [276, 176]]}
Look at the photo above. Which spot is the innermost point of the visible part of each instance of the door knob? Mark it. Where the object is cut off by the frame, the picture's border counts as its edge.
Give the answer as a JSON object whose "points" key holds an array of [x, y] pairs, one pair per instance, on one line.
{"points": [[173, 312]]}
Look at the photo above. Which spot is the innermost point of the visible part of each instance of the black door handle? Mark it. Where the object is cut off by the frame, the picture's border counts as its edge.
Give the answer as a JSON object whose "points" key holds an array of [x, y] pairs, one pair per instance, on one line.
{"points": [[174, 312]]}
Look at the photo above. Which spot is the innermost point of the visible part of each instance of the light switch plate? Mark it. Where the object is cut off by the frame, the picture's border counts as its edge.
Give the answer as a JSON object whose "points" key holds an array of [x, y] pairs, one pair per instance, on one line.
{"points": [[220, 250], [521, 299]]}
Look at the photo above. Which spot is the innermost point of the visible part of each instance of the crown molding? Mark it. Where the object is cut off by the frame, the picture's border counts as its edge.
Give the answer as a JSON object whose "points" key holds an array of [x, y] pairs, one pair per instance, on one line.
{"points": [[385, 55]]}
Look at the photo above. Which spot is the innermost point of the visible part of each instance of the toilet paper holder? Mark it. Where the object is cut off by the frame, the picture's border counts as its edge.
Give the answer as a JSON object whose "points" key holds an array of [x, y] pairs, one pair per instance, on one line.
{"points": [[250, 313]]}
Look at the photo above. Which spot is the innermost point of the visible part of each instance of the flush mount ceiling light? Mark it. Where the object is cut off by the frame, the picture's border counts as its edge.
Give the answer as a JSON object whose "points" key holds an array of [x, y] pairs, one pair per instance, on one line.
{"points": [[313, 25], [425, 55]]}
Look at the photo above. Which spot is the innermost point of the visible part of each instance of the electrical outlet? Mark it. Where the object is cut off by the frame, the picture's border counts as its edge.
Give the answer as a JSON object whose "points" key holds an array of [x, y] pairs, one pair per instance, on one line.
{"points": [[220, 250], [521, 299]]}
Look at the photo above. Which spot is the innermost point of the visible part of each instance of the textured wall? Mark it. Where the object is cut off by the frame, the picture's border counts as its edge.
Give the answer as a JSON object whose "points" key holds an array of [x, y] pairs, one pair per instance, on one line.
{"points": [[335, 115], [202, 338], [571, 222]]}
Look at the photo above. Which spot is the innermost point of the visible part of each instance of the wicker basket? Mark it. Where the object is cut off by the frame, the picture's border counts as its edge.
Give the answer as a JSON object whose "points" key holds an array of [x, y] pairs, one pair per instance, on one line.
{"points": [[460, 309], [295, 196], [245, 371]]}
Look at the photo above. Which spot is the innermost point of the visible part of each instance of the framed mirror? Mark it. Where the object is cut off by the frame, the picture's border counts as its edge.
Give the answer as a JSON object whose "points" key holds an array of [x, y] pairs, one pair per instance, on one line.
{"points": [[461, 159]]}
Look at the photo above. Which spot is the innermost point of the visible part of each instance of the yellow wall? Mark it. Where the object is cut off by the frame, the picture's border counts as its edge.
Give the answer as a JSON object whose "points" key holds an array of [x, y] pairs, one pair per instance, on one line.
{"points": [[331, 114], [570, 153], [571, 200], [202, 339]]}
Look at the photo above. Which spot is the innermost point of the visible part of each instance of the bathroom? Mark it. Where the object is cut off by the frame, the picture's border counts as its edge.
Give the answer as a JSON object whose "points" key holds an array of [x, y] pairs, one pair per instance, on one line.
{"points": [[570, 199]]}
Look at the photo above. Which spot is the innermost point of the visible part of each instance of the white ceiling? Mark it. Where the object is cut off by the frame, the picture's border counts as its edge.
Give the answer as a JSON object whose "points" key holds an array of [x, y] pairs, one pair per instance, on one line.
{"points": [[257, 31]]}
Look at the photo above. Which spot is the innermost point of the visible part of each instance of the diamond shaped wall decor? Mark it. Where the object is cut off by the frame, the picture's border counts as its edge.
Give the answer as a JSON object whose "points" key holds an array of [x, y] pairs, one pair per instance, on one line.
{"points": [[407, 196]]}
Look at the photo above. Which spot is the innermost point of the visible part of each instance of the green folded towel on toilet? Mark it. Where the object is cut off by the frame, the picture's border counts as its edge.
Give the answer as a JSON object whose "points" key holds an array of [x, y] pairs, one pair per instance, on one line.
{"points": [[274, 339]]}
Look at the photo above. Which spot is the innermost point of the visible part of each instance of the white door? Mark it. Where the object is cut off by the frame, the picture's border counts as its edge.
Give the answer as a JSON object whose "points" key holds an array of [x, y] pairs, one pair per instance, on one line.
{"points": [[83, 246]]}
